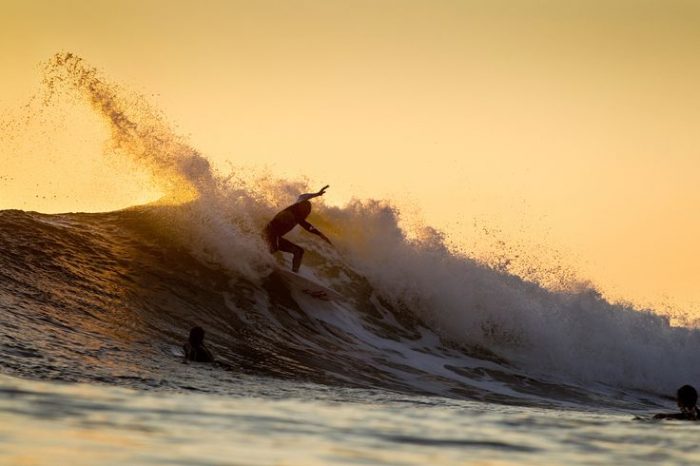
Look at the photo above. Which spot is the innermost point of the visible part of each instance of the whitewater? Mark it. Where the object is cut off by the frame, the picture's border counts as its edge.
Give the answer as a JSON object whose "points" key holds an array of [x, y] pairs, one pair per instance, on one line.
{"points": [[431, 357]]}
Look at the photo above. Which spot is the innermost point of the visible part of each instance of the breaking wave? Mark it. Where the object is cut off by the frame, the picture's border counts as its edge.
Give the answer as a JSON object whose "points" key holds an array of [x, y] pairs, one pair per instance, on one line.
{"points": [[110, 296]]}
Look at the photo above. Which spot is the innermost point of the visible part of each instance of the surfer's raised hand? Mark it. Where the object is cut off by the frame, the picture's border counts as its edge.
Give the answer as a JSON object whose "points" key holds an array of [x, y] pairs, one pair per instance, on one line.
{"points": [[307, 196]]}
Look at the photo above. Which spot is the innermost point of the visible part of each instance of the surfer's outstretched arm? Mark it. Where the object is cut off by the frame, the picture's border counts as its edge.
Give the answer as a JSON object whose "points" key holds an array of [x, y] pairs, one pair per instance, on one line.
{"points": [[307, 196], [312, 229], [320, 192]]}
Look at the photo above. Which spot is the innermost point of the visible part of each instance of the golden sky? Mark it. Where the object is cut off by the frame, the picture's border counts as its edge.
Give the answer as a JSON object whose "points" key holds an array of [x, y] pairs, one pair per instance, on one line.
{"points": [[567, 124]]}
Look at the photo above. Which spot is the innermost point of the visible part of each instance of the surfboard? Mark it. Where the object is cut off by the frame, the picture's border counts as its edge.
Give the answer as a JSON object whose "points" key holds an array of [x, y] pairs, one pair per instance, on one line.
{"points": [[308, 286]]}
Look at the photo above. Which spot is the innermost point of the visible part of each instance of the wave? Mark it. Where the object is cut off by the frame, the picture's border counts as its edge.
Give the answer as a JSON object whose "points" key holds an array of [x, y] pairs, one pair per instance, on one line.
{"points": [[109, 296]]}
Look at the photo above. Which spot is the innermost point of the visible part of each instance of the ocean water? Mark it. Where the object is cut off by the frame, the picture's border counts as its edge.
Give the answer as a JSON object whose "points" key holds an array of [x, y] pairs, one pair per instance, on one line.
{"points": [[429, 357], [268, 421]]}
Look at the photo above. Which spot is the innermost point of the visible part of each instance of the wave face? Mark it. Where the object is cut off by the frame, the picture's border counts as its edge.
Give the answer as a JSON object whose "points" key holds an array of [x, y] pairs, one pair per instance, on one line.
{"points": [[110, 297]]}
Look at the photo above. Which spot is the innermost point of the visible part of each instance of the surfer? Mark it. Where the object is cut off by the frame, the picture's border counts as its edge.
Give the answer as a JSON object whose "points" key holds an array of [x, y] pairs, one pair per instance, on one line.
{"points": [[194, 347], [287, 219], [686, 397]]}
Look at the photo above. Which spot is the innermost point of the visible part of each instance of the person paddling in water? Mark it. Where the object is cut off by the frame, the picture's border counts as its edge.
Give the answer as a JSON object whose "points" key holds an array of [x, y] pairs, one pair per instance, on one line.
{"points": [[194, 348], [287, 219], [687, 398]]}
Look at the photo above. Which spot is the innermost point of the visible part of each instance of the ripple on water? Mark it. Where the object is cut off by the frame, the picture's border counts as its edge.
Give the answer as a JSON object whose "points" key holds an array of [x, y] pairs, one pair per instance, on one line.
{"points": [[267, 421]]}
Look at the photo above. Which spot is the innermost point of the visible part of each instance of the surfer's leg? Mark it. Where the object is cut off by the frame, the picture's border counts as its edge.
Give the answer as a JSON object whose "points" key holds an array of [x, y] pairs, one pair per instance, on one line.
{"points": [[288, 246]]}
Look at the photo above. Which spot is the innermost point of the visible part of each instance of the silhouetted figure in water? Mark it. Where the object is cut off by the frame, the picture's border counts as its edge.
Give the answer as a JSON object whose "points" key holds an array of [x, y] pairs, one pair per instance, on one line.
{"points": [[195, 349], [686, 397], [287, 219]]}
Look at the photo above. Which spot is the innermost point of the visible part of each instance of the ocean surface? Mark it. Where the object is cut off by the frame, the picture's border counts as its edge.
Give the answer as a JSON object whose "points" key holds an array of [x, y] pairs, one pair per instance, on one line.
{"points": [[263, 421], [429, 357]]}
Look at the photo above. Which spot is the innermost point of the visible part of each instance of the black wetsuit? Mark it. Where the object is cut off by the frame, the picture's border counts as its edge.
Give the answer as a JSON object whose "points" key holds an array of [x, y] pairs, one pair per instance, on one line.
{"points": [[197, 353], [689, 414], [282, 224]]}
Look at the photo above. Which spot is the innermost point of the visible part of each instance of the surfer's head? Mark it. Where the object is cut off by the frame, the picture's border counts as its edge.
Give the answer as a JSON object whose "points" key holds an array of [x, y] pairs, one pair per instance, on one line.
{"points": [[196, 336], [687, 396]]}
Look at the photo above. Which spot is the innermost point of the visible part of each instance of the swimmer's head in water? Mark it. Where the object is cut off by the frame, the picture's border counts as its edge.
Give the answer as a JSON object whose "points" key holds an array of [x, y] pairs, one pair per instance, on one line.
{"points": [[196, 336], [687, 396]]}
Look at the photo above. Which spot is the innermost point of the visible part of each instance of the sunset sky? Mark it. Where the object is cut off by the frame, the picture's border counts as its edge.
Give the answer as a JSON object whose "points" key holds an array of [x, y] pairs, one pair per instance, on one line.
{"points": [[567, 126]]}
